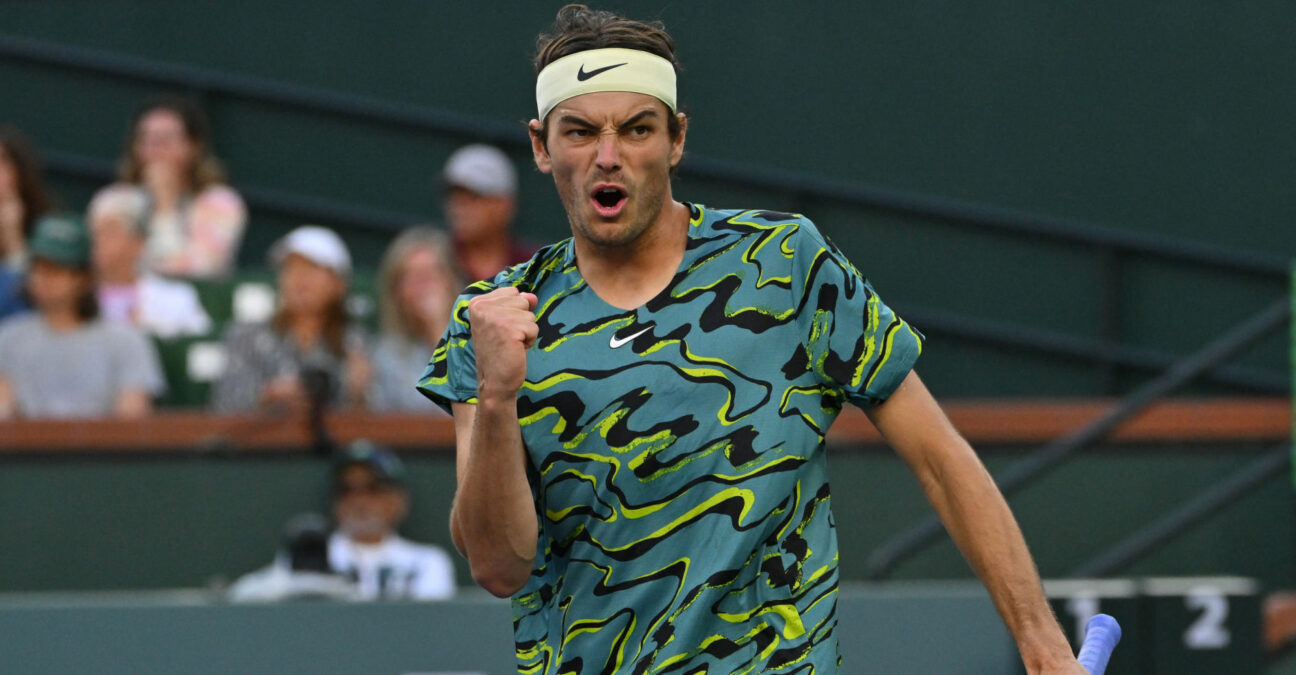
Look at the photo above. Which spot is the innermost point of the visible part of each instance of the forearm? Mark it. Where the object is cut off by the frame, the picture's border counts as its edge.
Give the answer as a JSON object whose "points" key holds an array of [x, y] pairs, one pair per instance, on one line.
{"points": [[983, 527], [493, 520]]}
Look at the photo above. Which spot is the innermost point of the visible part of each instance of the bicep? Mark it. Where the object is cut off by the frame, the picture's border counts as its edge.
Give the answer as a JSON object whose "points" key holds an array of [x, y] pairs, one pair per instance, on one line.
{"points": [[918, 430]]}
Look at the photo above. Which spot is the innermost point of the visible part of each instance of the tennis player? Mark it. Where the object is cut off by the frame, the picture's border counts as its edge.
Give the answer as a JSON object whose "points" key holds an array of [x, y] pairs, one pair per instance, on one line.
{"points": [[640, 409]]}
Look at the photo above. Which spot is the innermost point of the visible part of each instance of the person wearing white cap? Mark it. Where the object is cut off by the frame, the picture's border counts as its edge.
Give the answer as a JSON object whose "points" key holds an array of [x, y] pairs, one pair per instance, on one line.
{"points": [[480, 205], [308, 349]]}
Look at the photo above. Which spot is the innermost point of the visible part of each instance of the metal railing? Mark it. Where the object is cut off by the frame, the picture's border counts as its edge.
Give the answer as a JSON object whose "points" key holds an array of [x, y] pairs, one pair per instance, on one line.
{"points": [[431, 120], [1113, 245], [891, 553]]}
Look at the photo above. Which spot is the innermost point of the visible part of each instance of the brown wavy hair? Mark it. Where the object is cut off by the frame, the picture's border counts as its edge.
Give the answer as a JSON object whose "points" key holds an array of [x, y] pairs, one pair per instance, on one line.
{"points": [[36, 198], [205, 172]]}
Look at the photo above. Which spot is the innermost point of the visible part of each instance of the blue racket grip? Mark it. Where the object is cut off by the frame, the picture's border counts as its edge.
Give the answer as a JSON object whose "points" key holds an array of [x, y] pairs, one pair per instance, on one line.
{"points": [[1101, 635]]}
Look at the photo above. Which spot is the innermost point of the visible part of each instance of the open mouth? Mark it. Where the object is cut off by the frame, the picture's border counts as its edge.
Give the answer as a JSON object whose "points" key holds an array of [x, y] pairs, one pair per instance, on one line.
{"points": [[609, 201]]}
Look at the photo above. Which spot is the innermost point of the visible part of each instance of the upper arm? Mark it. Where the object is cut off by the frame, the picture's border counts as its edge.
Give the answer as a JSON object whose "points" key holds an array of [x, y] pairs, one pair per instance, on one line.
{"points": [[916, 427], [8, 402], [133, 403]]}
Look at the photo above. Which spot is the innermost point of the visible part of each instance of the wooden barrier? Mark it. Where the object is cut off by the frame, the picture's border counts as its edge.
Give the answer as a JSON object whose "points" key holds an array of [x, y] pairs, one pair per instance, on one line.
{"points": [[996, 422]]}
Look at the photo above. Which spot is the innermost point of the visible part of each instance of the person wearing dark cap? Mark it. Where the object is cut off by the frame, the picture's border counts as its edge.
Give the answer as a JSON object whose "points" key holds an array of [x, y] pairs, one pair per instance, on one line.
{"points": [[364, 550], [370, 500], [480, 205], [63, 361]]}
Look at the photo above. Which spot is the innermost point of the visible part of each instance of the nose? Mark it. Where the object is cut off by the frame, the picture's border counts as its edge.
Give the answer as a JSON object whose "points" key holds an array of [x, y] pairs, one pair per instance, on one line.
{"points": [[609, 156]]}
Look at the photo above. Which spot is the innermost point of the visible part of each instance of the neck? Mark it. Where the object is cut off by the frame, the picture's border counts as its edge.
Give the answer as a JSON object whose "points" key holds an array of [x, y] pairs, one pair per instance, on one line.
{"points": [[62, 318], [630, 275], [305, 330], [484, 256], [369, 540], [118, 275]]}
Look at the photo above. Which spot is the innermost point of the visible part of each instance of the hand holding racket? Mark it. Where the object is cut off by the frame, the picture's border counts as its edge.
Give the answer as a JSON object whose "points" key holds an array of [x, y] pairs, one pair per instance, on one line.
{"points": [[1101, 635]]}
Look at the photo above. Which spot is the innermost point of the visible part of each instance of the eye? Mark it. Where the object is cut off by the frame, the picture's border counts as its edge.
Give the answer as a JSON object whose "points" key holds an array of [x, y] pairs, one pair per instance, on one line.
{"points": [[640, 130], [578, 133]]}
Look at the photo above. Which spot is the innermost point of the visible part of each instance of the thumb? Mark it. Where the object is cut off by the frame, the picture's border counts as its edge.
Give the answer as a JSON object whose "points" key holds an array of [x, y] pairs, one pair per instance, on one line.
{"points": [[531, 299]]}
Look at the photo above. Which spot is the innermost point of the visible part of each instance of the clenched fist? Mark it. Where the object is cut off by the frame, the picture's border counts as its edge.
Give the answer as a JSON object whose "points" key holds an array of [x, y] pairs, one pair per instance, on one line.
{"points": [[504, 327]]}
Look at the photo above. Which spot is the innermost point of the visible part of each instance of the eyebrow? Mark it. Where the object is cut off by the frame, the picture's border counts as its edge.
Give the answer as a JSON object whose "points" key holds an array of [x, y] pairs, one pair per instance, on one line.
{"points": [[634, 119], [637, 118]]}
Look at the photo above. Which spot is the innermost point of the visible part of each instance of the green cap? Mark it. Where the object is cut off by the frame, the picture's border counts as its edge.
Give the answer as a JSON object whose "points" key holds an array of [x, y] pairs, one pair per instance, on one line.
{"points": [[384, 464], [61, 239]]}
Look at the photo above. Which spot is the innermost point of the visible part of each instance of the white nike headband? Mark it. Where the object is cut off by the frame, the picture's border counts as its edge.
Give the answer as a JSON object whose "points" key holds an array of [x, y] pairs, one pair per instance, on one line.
{"points": [[610, 69]]}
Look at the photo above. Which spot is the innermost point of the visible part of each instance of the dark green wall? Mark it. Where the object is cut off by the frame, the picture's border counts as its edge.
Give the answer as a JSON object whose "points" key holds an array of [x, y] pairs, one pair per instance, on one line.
{"points": [[107, 522], [1162, 117]]}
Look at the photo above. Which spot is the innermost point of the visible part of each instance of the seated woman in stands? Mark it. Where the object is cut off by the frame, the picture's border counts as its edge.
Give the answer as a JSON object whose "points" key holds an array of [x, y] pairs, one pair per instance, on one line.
{"points": [[308, 351], [63, 361], [418, 283], [195, 220], [23, 200]]}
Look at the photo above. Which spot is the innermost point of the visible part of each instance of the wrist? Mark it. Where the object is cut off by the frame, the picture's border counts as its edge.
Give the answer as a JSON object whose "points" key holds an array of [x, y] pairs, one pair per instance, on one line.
{"points": [[1045, 649], [489, 396]]}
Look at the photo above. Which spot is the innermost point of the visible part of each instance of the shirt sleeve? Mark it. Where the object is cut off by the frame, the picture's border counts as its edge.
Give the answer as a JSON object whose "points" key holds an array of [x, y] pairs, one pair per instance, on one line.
{"points": [[451, 373], [853, 342]]}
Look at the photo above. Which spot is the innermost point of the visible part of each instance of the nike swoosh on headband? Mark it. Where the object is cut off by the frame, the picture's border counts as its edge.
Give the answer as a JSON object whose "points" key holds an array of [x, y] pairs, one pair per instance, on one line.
{"points": [[618, 342], [581, 75]]}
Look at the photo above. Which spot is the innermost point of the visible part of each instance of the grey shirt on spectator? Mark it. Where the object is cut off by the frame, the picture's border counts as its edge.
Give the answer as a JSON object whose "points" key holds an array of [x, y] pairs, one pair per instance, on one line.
{"points": [[78, 373], [398, 365]]}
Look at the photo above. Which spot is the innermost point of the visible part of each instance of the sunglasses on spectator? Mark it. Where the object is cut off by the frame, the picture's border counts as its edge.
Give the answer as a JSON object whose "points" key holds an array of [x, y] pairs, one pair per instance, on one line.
{"points": [[372, 487]]}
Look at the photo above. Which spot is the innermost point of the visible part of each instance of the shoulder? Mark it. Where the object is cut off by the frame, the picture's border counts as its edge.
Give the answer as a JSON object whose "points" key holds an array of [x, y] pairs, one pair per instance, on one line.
{"points": [[530, 274], [219, 197], [770, 235], [164, 289], [219, 193], [428, 553], [750, 221], [20, 326], [249, 337]]}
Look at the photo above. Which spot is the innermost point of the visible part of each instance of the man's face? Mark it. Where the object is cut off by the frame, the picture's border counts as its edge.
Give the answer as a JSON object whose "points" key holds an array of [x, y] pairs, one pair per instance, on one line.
{"points": [[114, 245], [366, 508], [475, 217], [55, 286], [610, 154]]}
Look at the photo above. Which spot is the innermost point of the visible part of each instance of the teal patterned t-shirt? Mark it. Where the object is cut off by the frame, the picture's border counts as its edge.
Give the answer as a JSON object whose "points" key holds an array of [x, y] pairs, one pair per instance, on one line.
{"points": [[676, 450]]}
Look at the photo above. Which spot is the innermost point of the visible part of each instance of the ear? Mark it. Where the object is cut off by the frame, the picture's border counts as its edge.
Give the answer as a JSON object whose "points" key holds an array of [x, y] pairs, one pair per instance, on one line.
{"points": [[677, 146], [538, 151]]}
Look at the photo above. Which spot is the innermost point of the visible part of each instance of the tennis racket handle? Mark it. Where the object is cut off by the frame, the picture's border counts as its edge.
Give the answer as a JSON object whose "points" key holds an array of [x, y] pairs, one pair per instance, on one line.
{"points": [[1101, 635]]}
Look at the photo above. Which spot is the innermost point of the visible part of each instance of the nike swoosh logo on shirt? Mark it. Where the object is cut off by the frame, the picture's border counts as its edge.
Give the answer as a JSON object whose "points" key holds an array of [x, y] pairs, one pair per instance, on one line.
{"points": [[581, 75], [617, 342]]}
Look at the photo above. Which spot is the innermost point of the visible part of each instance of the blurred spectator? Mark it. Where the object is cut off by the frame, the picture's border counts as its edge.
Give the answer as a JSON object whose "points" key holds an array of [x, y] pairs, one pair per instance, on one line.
{"points": [[195, 221], [480, 205], [300, 569], [370, 500], [23, 200], [23, 197], [418, 284], [159, 306], [308, 351], [62, 360]]}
